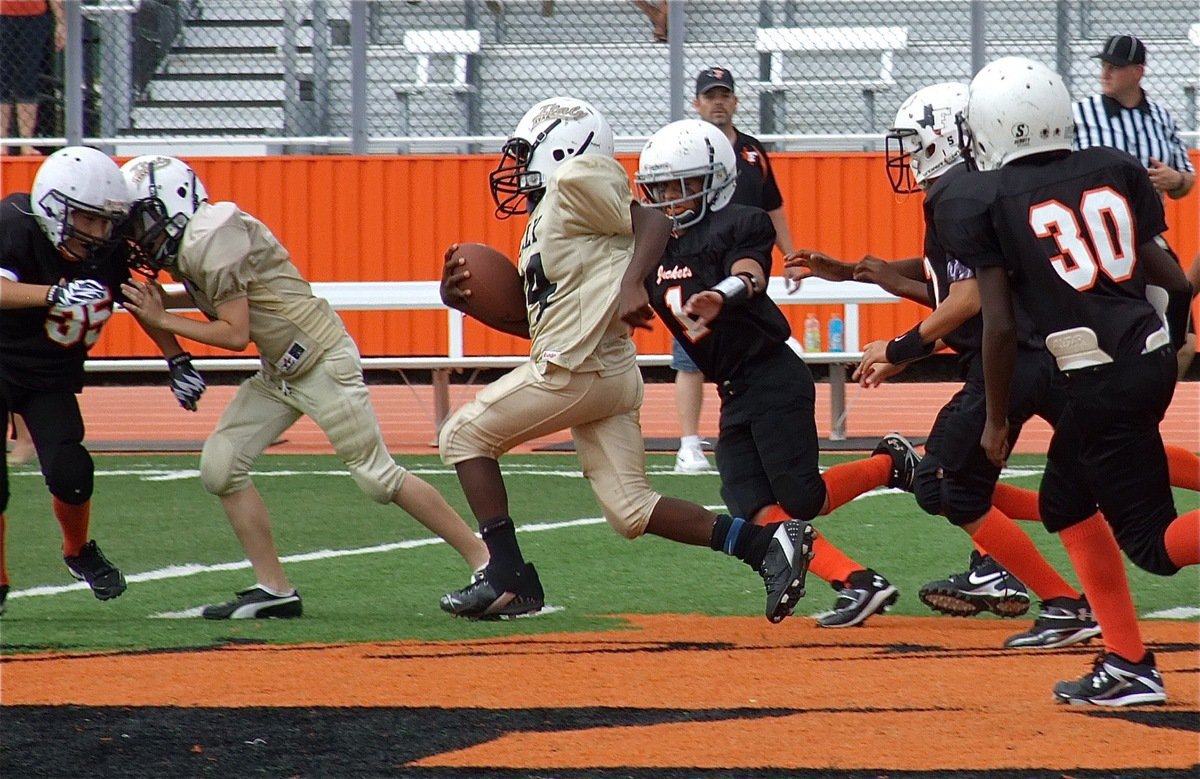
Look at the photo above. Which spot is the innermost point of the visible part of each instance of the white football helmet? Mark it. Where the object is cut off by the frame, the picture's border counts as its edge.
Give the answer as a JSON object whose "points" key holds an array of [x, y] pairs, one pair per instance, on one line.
{"points": [[923, 143], [1017, 107], [79, 178], [166, 194], [548, 135], [687, 149]]}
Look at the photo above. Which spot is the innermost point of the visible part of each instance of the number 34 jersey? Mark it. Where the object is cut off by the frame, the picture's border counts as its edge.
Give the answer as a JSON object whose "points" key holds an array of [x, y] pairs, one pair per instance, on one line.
{"points": [[43, 348], [575, 250], [1067, 232]]}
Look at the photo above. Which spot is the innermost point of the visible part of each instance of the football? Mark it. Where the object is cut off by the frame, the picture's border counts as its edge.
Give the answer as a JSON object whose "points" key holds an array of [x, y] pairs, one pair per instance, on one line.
{"points": [[497, 295]]}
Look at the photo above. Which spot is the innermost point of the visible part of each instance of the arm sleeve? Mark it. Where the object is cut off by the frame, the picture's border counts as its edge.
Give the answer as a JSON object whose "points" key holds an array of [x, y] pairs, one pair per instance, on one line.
{"points": [[752, 237], [225, 260], [594, 195], [1179, 153], [1147, 206], [963, 224]]}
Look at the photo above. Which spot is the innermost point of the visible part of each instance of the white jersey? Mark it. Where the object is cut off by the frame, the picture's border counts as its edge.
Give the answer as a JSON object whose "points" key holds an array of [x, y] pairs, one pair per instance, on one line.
{"points": [[226, 254], [575, 250]]}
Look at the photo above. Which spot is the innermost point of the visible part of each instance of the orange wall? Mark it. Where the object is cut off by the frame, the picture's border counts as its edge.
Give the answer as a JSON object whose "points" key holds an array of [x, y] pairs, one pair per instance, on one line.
{"points": [[390, 218]]}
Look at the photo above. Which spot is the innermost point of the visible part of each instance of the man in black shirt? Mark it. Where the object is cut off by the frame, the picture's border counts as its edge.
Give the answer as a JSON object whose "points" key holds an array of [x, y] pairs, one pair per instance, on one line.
{"points": [[708, 289], [1071, 236], [62, 262]]}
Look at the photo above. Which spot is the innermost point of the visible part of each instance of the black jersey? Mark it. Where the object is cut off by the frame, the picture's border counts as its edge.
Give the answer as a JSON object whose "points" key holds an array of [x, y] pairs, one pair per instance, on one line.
{"points": [[943, 269], [697, 260], [44, 348], [1067, 231], [755, 180]]}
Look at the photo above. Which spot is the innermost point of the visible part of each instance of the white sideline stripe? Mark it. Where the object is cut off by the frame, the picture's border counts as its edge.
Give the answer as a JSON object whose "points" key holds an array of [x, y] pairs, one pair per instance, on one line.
{"points": [[1179, 612], [194, 569]]}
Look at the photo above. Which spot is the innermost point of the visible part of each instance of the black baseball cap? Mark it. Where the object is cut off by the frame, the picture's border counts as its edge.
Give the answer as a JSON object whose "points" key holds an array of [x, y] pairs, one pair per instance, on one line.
{"points": [[1123, 50], [713, 77]]}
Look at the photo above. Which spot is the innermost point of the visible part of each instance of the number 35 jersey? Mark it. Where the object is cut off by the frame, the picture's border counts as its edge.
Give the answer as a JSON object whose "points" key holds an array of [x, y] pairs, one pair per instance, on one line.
{"points": [[575, 250], [1067, 232], [43, 348]]}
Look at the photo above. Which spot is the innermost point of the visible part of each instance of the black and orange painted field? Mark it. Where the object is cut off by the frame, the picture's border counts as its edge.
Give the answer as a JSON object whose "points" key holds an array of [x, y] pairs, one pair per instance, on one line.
{"points": [[672, 696]]}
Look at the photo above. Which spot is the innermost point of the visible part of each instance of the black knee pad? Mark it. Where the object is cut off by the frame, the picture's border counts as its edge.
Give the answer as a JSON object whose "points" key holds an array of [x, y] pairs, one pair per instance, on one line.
{"points": [[802, 498], [1147, 550], [961, 501], [927, 488], [69, 474]]}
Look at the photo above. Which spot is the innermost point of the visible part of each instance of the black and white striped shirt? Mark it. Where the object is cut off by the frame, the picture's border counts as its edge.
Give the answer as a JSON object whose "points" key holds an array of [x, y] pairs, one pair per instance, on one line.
{"points": [[1147, 130]]}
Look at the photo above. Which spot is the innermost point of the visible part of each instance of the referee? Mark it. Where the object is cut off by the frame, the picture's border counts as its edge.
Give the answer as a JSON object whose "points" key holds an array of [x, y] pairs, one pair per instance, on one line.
{"points": [[1124, 117]]}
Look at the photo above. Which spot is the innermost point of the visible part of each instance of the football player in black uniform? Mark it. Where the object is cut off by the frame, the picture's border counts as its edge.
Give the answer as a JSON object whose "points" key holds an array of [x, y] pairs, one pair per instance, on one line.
{"points": [[708, 288], [62, 261], [1071, 237], [955, 478]]}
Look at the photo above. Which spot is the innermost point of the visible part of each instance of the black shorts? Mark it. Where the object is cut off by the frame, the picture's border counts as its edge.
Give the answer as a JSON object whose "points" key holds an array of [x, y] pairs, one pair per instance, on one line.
{"points": [[767, 451], [26, 44], [955, 475], [1107, 451], [55, 423]]}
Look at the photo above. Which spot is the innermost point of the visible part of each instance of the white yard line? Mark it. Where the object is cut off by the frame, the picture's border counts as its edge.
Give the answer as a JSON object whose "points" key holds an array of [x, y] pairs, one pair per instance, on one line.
{"points": [[195, 569]]}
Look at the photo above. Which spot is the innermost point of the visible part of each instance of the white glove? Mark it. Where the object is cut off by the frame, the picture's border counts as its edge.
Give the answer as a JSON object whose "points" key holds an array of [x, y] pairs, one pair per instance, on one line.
{"points": [[76, 293], [186, 382]]}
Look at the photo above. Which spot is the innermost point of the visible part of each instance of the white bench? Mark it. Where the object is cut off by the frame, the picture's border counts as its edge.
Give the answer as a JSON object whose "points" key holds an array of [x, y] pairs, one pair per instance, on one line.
{"points": [[424, 296], [776, 42], [426, 44]]}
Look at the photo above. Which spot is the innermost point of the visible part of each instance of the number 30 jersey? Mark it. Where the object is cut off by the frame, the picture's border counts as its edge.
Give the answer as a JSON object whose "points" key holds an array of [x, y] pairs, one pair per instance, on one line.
{"points": [[43, 348], [1067, 232]]}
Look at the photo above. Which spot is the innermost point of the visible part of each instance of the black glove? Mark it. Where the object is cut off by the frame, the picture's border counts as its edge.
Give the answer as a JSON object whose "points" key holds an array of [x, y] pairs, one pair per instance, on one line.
{"points": [[186, 382], [75, 293]]}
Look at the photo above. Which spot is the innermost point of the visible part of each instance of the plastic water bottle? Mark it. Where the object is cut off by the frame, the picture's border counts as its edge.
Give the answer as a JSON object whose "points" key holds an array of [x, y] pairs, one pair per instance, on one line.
{"points": [[812, 333], [837, 334]]}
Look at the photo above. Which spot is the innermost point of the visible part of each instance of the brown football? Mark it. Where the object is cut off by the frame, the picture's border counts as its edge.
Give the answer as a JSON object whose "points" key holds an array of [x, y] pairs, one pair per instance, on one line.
{"points": [[497, 294]]}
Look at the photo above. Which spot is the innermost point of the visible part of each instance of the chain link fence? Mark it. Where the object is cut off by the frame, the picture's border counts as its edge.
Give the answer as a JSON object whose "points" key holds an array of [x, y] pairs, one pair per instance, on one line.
{"points": [[227, 76]]}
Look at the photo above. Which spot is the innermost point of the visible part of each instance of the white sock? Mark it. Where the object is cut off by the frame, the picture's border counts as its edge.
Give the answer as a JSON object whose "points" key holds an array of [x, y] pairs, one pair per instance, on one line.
{"points": [[275, 593], [689, 440]]}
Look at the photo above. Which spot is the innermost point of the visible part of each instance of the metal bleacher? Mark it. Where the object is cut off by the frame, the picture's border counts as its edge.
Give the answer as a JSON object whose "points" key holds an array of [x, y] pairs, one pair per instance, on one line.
{"points": [[247, 69]]}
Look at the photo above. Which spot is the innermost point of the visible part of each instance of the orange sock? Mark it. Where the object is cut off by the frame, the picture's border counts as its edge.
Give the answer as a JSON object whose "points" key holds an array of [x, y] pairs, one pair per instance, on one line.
{"points": [[1017, 503], [1184, 467], [1011, 548], [1101, 570], [1183, 539], [3, 556], [830, 563], [771, 514], [74, 523], [846, 481]]}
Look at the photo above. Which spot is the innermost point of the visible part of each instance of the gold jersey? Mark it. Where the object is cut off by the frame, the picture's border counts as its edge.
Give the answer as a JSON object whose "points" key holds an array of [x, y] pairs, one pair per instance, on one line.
{"points": [[226, 254], [576, 248]]}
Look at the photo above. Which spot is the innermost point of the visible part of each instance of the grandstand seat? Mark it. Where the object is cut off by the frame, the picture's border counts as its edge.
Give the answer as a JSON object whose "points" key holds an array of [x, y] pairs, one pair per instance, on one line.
{"points": [[780, 43], [425, 44]]}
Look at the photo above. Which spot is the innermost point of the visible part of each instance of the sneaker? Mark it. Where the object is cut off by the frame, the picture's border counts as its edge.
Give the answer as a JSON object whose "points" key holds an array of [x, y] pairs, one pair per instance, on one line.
{"points": [[480, 600], [785, 566], [1060, 622], [865, 593], [256, 603], [904, 460], [3, 597], [691, 459], [1115, 681], [92, 566], [985, 586]]}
